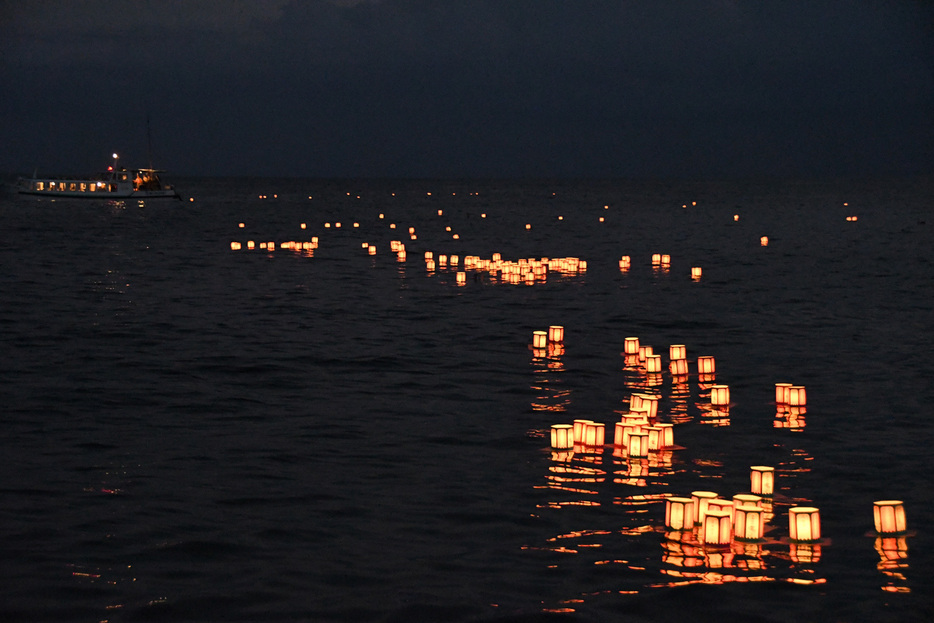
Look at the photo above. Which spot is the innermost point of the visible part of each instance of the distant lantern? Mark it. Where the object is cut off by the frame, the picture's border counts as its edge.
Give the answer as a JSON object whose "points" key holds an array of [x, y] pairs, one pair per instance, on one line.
{"points": [[889, 516], [720, 395], [677, 351], [656, 259], [579, 427], [701, 500], [440, 212], [638, 444], [655, 438], [706, 365], [747, 522], [746, 499], [304, 226], [356, 224], [250, 244], [762, 480], [429, 255], [556, 334], [764, 241], [645, 351], [666, 259], [653, 363], [803, 523], [411, 230], [461, 278], [667, 435], [782, 393], [241, 225], [562, 436], [717, 527], [678, 367], [594, 434], [372, 249], [679, 513], [736, 217], [235, 246], [539, 339], [528, 226], [797, 397], [696, 272], [327, 225], [631, 346], [601, 219]]}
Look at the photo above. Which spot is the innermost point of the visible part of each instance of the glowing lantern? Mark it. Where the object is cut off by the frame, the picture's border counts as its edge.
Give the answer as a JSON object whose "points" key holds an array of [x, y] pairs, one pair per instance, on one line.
{"points": [[797, 397], [696, 272], [454, 260], [736, 217], [656, 259], [372, 249], [762, 480], [638, 444], [717, 527], [720, 395], [706, 365], [250, 244], [666, 260], [889, 516], [429, 255], [411, 230], [679, 513], [562, 436], [653, 363], [667, 435], [701, 500], [803, 523], [655, 438], [556, 334], [677, 351], [528, 226], [539, 339], [235, 246], [747, 522], [747, 499], [241, 225], [631, 346], [764, 241], [782, 393], [594, 434], [440, 212], [579, 426], [678, 367], [645, 351], [461, 278]]}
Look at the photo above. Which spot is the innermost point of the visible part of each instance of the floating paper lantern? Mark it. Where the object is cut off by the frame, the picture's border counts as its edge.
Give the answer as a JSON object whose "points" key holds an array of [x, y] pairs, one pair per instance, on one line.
{"points": [[720, 395], [782, 393], [678, 367], [638, 444], [579, 426], [631, 346], [562, 436], [701, 500], [666, 260], [556, 334], [656, 259], [736, 217], [235, 246], [653, 363], [696, 272], [679, 513], [797, 397], [747, 522], [250, 244], [677, 351], [461, 278], [539, 339], [594, 434], [706, 365], [372, 249], [762, 480], [528, 226], [717, 527], [667, 435], [764, 241], [645, 351], [889, 516], [747, 499], [803, 523]]}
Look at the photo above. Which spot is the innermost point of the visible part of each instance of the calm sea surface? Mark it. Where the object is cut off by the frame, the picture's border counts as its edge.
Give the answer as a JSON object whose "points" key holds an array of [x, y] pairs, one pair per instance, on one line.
{"points": [[196, 433]]}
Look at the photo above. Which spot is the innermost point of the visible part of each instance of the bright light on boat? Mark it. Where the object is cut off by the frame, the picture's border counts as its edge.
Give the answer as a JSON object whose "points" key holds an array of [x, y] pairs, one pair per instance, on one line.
{"points": [[116, 156]]}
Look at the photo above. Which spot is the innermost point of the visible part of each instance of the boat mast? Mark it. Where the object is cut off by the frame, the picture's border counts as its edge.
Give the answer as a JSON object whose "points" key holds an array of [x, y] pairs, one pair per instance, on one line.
{"points": [[148, 140]]}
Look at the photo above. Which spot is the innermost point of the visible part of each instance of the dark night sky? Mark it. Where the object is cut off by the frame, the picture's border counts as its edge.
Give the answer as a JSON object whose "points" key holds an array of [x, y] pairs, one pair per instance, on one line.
{"points": [[501, 88]]}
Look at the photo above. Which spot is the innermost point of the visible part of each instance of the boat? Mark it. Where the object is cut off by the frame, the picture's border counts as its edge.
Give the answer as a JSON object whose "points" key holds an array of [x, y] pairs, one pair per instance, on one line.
{"points": [[115, 183]]}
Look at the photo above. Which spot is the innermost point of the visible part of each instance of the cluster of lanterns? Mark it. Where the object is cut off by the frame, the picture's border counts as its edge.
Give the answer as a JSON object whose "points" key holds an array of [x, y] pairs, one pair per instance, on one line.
{"points": [[704, 526]]}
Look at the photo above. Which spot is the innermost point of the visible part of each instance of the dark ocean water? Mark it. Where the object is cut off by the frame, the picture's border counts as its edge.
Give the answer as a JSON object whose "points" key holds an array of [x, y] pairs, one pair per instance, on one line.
{"points": [[195, 433]]}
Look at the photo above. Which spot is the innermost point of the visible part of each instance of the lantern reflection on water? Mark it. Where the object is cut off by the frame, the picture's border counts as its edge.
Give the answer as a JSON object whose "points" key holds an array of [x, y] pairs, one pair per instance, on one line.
{"points": [[803, 523], [889, 516]]}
